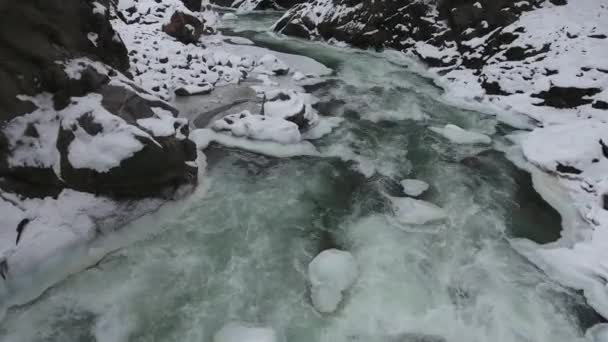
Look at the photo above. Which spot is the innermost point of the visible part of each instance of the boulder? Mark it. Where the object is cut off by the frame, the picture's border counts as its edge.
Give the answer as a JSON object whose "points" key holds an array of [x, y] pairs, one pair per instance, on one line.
{"points": [[186, 28], [87, 126]]}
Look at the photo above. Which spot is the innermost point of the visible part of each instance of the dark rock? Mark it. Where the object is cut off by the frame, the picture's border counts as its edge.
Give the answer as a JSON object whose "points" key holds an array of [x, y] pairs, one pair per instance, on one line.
{"points": [[566, 97], [87, 122], [559, 2], [193, 5], [186, 28], [567, 169], [128, 105], [598, 104], [152, 171], [597, 36], [35, 34], [471, 162], [20, 228], [605, 201], [493, 88], [604, 148]]}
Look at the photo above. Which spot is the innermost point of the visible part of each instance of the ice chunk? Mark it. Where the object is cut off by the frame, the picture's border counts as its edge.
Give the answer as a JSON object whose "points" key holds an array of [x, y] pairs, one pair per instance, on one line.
{"points": [[243, 332], [414, 187], [330, 273], [413, 211], [458, 135]]}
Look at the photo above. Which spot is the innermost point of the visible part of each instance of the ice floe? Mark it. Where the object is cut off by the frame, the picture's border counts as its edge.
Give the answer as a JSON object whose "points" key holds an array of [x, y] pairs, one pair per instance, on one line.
{"points": [[412, 211], [330, 274], [414, 187]]}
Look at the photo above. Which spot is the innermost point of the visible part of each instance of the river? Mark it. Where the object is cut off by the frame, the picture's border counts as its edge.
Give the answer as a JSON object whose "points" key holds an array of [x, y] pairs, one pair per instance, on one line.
{"points": [[240, 251]]}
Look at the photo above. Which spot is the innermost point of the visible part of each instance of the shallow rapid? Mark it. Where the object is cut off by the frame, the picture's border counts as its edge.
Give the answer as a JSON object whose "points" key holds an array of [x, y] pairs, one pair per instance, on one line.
{"points": [[239, 251]]}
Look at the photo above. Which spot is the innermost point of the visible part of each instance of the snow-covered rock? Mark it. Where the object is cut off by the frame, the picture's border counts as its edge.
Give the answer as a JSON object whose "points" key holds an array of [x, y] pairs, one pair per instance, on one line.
{"points": [[412, 211], [458, 135], [259, 127], [271, 65], [203, 137], [243, 332], [330, 274], [290, 105], [414, 187]]}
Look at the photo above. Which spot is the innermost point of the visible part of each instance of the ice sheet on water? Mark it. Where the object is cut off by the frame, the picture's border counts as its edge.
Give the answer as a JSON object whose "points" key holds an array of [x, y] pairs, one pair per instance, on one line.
{"points": [[458, 135]]}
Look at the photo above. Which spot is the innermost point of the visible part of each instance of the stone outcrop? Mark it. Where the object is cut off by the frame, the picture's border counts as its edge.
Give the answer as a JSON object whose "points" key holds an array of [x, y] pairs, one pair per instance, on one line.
{"points": [[64, 77]]}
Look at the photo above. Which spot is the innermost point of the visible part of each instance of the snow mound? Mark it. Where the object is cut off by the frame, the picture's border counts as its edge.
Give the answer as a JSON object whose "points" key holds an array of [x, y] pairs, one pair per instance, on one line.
{"points": [[259, 127], [412, 211], [243, 332], [414, 187], [458, 135], [576, 146], [330, 274]]}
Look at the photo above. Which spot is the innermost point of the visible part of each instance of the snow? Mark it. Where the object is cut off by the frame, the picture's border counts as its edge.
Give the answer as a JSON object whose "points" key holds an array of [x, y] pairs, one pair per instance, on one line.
{"points": [[243, 332], [270, 65], [99, 8], [414, 187], [330, 274], [203, 137], [163, 123], [259, 127], [105, 150], [58, 228], [412, 211], [576, 144], [458, 135], [93, 37]]}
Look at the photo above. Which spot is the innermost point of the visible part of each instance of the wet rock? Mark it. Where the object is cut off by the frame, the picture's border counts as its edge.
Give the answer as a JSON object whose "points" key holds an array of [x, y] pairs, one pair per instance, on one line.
{"points": [[471, 162]]}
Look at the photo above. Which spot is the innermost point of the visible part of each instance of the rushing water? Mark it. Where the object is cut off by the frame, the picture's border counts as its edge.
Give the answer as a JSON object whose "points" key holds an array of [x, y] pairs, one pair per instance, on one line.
{"points": [[241, 251]]}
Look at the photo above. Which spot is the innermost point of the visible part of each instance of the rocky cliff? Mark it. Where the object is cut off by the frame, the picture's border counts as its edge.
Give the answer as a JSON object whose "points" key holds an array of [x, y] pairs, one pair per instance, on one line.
{"points": [[522, 55], [71, 117]]}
